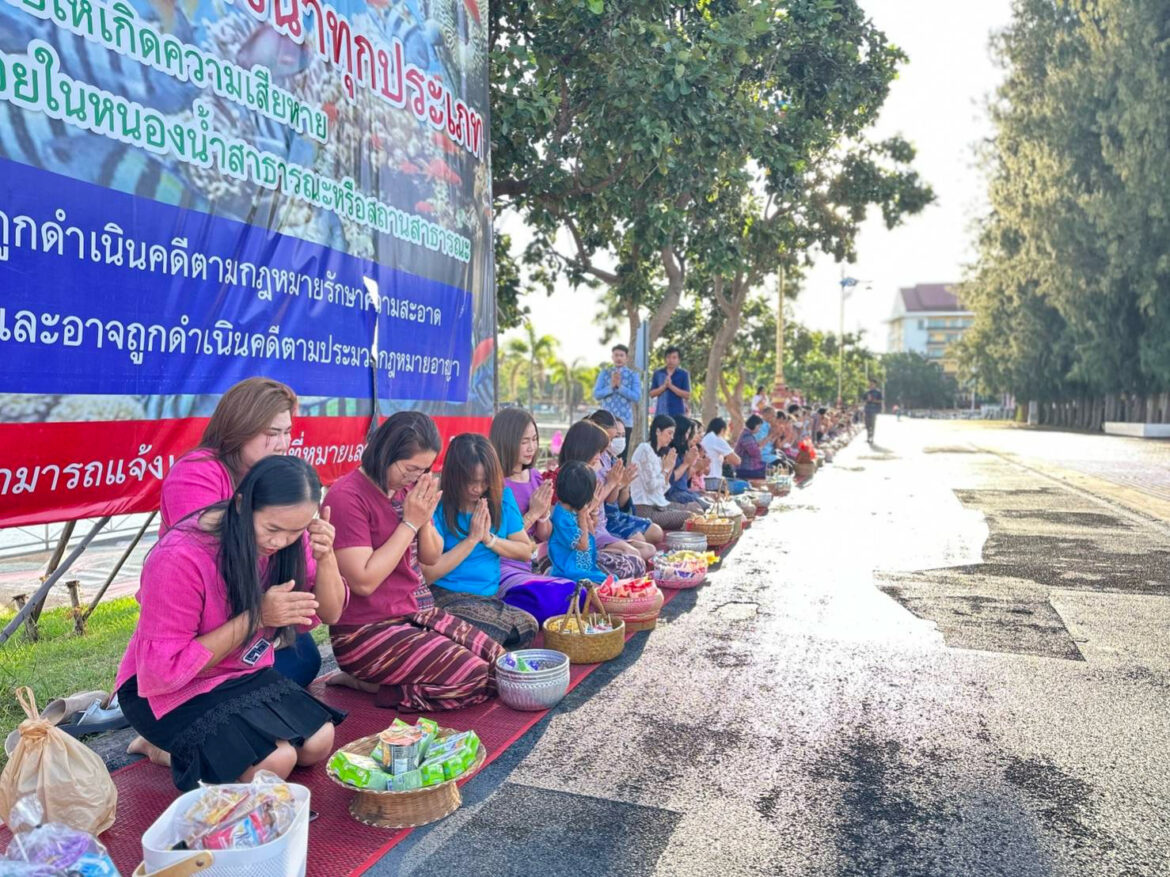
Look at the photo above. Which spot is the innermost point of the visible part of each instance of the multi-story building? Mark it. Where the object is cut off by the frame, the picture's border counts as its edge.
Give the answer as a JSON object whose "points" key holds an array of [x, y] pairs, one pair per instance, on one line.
{"points": [[928, 319]]}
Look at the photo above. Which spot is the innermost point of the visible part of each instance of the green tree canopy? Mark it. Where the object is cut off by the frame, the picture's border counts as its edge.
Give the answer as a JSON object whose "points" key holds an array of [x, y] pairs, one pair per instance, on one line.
{"points": [[913, 381], [1071, 289]]}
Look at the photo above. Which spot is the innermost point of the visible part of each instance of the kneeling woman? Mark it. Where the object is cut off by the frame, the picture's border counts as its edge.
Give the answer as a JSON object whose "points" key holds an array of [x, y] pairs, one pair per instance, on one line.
{"points": [[480, 524], [219, 592], [391, 640]]}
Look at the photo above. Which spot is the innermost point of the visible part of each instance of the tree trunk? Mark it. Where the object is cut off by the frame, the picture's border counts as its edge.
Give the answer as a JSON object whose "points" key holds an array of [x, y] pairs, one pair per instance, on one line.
{"points": [[676, 277], [714, 363], [731, 307]]}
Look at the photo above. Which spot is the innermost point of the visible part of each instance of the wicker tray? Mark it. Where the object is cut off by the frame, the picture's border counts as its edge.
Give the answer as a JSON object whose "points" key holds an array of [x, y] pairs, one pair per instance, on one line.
{"points": [[585, 648], [719, 531], [638, 613], [668, 576], [404, 809]]}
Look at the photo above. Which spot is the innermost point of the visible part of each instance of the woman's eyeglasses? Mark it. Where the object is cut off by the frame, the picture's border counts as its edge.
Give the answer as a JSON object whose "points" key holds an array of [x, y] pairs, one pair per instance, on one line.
{"points": [[413, 471]]}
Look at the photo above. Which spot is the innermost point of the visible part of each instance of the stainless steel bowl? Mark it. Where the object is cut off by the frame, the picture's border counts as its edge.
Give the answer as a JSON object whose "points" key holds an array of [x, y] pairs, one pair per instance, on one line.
{"points": [[686, 541], [544, 663], [538, 689]]}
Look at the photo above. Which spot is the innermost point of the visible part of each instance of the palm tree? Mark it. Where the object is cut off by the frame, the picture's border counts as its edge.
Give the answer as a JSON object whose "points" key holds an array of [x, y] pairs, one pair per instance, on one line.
{"points": [[515, 361], [584, 378], [539, 351], [564, 375]]}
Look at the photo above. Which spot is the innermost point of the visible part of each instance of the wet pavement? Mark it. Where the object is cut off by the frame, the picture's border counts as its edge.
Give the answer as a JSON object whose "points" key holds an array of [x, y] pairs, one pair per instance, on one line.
{"points": [[947, 656]]}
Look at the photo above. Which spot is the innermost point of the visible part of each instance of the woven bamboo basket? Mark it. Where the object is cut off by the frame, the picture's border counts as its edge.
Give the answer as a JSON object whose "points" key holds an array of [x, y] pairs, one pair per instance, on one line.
{"points": [[719, 531], [581, 647], [673, 576], [634, 625], [404, 809], [639, 613], [805, 470]]}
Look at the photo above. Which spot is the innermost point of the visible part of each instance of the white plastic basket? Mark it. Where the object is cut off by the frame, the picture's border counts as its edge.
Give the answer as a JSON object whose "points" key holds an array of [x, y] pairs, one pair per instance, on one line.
{"points": [[284, 857]]}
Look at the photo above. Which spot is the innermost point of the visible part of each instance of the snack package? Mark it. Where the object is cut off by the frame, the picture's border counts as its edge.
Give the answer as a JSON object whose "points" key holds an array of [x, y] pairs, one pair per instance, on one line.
{"points": [[401, 748], [238, 817], [430, 729], [405, 782], [359, 771], [457, 763], [51, 849], [454, 743], [431, 772]]}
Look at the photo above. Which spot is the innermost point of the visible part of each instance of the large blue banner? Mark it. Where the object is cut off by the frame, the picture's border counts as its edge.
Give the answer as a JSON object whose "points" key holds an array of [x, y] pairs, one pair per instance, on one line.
{"points": [[104, 313], [197, 191]]}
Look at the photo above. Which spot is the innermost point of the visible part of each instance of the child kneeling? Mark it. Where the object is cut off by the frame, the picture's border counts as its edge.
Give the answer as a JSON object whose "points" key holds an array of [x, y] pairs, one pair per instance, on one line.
{"points": [[572, 548]]}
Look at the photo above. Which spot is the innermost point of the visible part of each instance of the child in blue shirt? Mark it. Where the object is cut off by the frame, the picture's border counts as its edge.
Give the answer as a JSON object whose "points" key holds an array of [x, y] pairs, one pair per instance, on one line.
{"points": [[572, 548]]}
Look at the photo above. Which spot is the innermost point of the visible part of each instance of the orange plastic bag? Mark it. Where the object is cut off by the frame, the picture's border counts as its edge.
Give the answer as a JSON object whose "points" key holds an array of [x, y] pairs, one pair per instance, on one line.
{"points": [[66, 776]]}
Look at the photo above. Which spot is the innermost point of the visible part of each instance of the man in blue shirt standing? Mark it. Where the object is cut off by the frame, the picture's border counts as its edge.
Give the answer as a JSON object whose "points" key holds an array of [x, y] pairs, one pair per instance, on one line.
{"points": [[671, 386], [619, 390]]}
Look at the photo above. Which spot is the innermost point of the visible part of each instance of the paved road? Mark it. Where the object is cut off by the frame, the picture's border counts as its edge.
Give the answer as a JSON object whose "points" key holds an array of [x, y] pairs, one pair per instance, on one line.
{"points": [[947, 656]]}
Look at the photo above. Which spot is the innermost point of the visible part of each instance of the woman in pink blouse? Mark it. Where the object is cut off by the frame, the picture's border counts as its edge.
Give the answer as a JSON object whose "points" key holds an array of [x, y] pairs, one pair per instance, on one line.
{"points": [[219, 592], [253, 420]]}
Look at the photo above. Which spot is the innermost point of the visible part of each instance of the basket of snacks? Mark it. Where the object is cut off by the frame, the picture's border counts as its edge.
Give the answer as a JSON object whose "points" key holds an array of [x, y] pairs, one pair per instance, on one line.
{"points": [[587, 634], [257, 828], [719, 531], [682, 569], [532, 679], [685, 540], [637, 602], [407, 775]]}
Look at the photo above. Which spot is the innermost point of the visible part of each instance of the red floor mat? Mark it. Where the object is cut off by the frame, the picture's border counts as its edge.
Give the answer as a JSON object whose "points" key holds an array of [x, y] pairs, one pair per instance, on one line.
{"points": [[337, 843]]}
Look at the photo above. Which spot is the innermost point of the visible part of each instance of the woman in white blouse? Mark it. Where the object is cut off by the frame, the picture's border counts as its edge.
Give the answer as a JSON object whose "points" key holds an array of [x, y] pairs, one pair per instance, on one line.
{"points": [[655, 460]]}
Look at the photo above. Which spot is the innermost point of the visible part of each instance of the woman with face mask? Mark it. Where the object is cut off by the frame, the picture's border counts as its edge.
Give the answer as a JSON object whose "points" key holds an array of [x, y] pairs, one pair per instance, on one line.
{"points": [[748, 450], [219, 591], [618, 520], [585, 442]]}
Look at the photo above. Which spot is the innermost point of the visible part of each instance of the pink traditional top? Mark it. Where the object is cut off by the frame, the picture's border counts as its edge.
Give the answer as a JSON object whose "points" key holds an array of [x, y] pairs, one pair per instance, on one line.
{"points": [[183, 597], [364, 517], [196, 481]]}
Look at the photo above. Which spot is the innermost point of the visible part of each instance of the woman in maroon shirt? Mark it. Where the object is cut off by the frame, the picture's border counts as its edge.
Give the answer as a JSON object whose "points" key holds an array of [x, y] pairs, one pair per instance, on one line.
{"points": [[391, 639]]}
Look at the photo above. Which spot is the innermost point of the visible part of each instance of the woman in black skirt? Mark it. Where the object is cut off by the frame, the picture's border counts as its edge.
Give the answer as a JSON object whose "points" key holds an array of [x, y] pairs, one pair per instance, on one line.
{"points": [[219, 592]]}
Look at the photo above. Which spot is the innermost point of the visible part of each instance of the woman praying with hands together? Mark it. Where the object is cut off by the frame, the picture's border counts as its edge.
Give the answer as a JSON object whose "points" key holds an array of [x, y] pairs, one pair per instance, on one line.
{"points": [[481, 526], [220, 592], [392, 640]]}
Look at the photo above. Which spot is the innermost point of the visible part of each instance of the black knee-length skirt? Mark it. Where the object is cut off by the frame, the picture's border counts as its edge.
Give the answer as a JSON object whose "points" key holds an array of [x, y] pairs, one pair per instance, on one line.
{"points": [[215, 737]]}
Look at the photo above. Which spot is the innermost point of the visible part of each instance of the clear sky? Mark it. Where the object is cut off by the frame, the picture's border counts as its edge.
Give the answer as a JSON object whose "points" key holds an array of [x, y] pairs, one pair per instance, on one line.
{"points": [[937, 103]]}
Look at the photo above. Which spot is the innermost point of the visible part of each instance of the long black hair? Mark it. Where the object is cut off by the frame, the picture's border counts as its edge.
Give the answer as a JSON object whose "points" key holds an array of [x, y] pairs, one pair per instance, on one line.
{"points": [[274, 481], [684, 429], [464, 454], [660, 423]]}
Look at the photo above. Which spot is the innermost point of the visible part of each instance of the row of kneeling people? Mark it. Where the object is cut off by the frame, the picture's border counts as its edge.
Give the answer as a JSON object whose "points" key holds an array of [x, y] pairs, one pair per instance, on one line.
{"points": [[424, 581]]}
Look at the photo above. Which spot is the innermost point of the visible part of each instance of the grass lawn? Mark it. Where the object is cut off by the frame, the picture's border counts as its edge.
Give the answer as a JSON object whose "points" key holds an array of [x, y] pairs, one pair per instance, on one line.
{"points": [[60, 664]]}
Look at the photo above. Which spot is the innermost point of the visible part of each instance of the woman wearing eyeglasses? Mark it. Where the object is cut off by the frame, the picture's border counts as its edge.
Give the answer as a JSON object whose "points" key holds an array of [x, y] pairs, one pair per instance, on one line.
{"points": [[391, 639]]}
